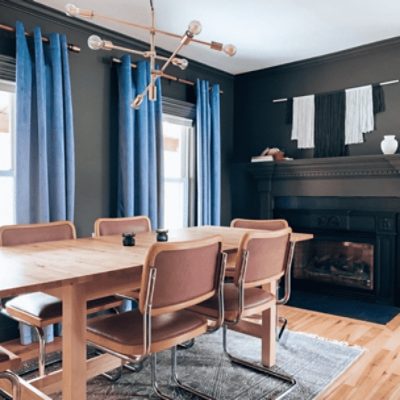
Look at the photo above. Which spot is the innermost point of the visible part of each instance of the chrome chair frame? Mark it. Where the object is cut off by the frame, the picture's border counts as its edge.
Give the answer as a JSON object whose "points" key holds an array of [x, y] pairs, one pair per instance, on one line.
{"points": [[174, 364], [147, 336], [137, 367], [15, 383], [257, 367], [146, 326], [287, 289], [41, 340], [242, 362]]}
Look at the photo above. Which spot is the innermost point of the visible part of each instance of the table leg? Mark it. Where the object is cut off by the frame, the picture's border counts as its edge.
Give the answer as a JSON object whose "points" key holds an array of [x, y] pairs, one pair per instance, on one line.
{"points": [[74, 343], [268, 331], [268, 342]]}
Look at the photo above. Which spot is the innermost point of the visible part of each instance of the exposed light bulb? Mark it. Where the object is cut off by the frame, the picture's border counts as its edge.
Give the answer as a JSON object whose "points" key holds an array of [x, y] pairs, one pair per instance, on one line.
{"points": [[137, 101], [194, 27], [95, 42], [229, 49], [71, 10], [182, 63]]}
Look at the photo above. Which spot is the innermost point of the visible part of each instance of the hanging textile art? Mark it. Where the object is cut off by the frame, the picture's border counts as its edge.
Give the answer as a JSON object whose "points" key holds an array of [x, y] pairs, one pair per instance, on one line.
{"points": [[329, 125], [359, 114], [303, 121], [339, 119]]}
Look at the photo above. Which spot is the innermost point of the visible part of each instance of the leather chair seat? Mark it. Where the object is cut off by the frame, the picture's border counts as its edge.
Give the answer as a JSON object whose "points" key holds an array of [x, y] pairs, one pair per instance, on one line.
{"points": [[254, 299], [45, 307], [123, 332]]}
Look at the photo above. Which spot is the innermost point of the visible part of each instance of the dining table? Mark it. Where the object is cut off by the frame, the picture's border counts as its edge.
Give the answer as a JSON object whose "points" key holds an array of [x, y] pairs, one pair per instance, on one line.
{"points": [[82, 269]]}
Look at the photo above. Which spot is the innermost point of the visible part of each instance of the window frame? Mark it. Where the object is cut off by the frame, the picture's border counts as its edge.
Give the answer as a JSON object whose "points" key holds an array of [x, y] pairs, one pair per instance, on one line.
{"points": [[187, 165], [10, 86]]}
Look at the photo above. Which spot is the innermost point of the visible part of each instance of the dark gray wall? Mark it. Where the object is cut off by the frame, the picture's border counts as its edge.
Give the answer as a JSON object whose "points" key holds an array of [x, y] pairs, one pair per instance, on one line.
{"points": [[93, 89], [260, 123]]}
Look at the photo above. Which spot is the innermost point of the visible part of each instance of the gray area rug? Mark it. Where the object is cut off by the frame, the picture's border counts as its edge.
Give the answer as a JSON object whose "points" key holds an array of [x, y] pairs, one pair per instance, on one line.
{"points": [[313, 361]]}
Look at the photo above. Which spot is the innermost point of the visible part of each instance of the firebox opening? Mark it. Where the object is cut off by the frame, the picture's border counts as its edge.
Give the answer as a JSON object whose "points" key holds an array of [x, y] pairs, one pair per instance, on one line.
{"points": [[344, 263]]}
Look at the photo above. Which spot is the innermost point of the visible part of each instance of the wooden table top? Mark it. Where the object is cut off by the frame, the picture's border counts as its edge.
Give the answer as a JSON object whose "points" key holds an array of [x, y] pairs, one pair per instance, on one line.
{"points": [[231, 236], [43, 266]]}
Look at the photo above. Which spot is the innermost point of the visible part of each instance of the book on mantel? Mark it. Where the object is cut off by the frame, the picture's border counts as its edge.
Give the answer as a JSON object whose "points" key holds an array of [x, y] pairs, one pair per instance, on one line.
{"points": [[262, 158]]}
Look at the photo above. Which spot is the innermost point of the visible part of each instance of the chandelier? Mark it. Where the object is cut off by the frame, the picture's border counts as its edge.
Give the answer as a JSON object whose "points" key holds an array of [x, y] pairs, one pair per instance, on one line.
{"points": [[193, 29]]}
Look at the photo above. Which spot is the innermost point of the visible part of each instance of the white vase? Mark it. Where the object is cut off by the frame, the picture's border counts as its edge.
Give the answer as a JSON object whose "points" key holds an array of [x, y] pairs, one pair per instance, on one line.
{"points": [[389, 144]]}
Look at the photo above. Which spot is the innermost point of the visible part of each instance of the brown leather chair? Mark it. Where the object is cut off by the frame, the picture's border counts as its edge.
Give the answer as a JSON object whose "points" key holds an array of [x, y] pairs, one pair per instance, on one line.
{"points": [[262, 260], [40, 309], [9, 362], [117, 226], [175, 276], [262, 224], [269, 225]]}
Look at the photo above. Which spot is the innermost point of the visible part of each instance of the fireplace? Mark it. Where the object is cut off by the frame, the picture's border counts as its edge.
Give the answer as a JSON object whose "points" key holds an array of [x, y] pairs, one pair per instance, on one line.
{"points": [[337, 262], [351, 205], [353, 252]]}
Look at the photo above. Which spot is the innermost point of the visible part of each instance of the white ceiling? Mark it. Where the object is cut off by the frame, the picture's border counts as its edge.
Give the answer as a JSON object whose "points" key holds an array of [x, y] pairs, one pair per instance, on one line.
{"points": [[266, 32]]}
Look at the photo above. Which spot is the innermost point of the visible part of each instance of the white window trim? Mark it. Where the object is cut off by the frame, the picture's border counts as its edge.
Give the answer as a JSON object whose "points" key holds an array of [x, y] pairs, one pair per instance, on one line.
{"points": [[188, 166], [9, 86]]}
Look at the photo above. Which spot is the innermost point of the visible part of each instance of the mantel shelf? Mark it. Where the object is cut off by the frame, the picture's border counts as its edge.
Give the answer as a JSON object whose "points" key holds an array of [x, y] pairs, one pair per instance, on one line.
{"points": [[333, 167]]}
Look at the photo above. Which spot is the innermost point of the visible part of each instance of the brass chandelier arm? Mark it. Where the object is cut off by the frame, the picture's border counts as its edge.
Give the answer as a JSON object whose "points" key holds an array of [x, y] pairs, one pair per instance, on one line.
{"points": [[185, 39], [151, 87], [128, 50], [90, 14], [108, 45], [194, 28]]}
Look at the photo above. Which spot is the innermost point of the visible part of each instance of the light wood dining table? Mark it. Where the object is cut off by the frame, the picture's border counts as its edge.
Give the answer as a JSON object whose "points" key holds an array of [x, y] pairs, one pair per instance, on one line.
{"points": [[82, 269]]}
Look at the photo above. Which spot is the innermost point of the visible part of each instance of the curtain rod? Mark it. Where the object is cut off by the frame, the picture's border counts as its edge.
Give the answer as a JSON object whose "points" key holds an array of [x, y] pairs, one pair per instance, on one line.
{"points": [[71, 47], [393, 82], [164, 75]]}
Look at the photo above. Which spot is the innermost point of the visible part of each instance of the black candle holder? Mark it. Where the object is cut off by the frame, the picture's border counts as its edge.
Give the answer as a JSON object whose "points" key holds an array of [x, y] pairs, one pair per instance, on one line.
{"points": [[162, 235], [128, 239]]}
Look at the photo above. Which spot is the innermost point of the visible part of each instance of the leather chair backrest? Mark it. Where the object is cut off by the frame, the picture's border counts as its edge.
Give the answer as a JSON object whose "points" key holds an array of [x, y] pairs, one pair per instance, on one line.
{"points": [[267, 224], [267, 256], [117, 226], [14, 235], [187, 274]]}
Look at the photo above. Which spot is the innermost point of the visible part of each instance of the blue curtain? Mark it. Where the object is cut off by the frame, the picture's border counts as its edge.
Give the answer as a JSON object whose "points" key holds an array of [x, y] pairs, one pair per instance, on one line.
{"points": [[208, 149], [45, 165], [140, 169]]}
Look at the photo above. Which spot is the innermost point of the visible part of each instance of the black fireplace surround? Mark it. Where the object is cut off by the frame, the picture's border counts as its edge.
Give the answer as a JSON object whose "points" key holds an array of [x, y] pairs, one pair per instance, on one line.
{"points": [[377, 228], [348, 201]]}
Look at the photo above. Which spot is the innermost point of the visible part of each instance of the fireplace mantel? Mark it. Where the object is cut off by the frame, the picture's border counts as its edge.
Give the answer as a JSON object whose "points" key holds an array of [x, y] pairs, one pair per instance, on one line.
{"points": [[357, 176], [333, 167]]}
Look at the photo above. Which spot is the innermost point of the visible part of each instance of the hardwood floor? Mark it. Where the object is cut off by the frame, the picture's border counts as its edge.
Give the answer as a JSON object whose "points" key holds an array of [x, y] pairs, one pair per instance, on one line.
{"points": [[376, 375]]}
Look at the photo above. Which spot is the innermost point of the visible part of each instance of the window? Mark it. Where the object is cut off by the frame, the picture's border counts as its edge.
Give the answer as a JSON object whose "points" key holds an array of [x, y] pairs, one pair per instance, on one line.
{"points": [[7, 156], [178, 171]]}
